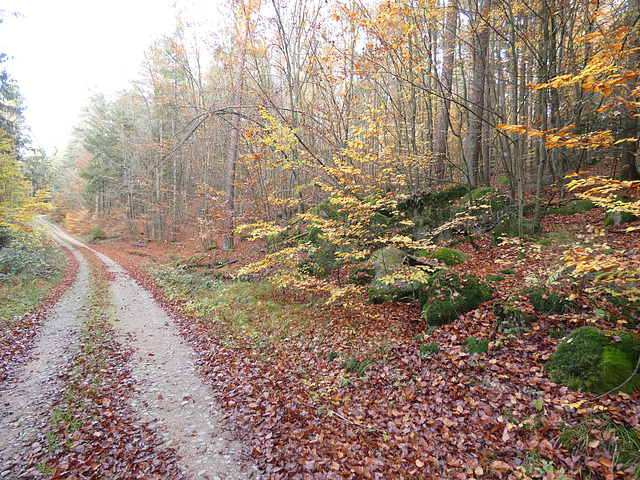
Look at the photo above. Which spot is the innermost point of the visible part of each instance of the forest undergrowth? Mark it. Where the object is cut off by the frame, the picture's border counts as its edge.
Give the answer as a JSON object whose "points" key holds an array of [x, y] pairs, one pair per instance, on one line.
{"points": [[370, 391]]}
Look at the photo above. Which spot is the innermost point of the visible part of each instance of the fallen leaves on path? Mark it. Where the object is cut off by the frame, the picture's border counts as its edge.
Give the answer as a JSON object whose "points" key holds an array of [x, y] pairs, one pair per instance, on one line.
{"points": [[92, 431]]}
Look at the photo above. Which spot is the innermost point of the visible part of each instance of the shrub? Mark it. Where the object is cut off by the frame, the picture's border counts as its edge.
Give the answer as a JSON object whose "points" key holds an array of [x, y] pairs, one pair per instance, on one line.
{"points": [[95, 235], [30, 254]]}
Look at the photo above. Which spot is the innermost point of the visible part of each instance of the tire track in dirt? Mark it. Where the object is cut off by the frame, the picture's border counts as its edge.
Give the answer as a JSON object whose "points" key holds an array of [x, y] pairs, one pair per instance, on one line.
{"points": [[26, 399], [170, 397]]}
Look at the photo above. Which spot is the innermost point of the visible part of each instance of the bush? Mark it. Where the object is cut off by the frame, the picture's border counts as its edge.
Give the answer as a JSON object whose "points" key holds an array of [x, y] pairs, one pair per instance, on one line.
{"points": [[95, 235], [31, 254]]}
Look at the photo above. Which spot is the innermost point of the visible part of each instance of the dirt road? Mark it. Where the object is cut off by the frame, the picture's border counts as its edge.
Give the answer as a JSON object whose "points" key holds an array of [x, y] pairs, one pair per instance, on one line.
{"points": [[170, 397]]}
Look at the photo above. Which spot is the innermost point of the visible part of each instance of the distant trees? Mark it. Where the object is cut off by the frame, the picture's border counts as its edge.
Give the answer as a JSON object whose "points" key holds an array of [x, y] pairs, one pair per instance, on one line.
{"points": [[475, 91]]}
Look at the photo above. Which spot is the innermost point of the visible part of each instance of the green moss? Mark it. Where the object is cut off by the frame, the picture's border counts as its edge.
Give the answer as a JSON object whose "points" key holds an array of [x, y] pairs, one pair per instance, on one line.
{"points": [[574, 207], [447, 256], [590, 360], [549, 303], [494, 278], [447, 296], [507, 271], [429, 348], [476, 346]]}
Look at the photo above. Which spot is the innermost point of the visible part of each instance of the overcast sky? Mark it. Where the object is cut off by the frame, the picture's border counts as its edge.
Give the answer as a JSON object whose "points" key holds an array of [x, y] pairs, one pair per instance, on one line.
{"points": [[62, 51]]}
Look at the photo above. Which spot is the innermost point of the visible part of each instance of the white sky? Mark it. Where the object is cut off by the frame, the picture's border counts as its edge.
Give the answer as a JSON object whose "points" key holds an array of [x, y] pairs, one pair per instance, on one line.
{"points": [[62, 51]]}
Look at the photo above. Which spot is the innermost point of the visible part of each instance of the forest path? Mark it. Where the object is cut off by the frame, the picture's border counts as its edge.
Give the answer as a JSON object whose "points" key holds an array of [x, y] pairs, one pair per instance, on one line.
{"points": [[169, 395]]}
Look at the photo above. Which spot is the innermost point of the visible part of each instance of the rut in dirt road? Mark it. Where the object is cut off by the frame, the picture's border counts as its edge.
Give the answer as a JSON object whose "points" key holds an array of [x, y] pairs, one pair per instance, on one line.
{"points": [[169, 397], [25, 400]]}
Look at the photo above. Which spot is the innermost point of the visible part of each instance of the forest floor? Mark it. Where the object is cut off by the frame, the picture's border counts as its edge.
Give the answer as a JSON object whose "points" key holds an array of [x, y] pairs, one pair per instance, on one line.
{"points": [[313, 391]]}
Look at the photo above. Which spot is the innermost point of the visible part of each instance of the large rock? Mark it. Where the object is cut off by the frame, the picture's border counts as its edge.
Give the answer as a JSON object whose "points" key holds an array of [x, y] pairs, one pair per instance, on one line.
{"points": [[387, 261], [448, 296], [596, 361]]}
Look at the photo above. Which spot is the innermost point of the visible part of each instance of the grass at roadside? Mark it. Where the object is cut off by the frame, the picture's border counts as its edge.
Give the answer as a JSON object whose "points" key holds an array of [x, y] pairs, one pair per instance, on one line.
{"points": [[258, 313], [19, 295]]}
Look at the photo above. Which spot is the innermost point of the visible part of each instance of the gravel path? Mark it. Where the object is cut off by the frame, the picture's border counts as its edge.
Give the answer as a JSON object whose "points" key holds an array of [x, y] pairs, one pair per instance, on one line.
{"points": [[25, 401], [169, 395]]}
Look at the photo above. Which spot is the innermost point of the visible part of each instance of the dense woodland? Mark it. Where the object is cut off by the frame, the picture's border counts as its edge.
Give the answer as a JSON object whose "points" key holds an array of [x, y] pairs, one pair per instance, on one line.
{"points": [[339, 135], [289, 101]]}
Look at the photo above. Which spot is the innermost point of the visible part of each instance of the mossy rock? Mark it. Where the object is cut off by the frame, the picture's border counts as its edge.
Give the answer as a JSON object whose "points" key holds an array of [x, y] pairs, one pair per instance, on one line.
{"points": [[512, 320], [418, 201], [616, 217], [492, 198], [428, 209], [384, 261], [595, 361], [574, 207], [446, 256], [549, 303], [448, 296], [509, 228]]}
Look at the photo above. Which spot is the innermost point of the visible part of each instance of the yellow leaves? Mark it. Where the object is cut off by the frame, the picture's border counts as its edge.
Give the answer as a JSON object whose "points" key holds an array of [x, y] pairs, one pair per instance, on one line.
{"points": [[261, 229], [521, 129]]}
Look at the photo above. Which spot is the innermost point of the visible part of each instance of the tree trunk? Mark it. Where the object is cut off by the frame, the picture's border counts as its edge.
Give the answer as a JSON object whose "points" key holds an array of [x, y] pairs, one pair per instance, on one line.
{"points": [[232, 157], [630, 149], [442, 120], [473, 147]]}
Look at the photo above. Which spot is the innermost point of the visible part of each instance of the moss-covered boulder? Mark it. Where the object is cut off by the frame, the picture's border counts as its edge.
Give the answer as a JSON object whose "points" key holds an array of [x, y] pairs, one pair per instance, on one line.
{"points": [[484, 199], [431, 208], [508, 227], [446, 256], [618, 217], [447, 296], [384, 262], [511, 320], [596, 361], [549, 303], [576, 206]]}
